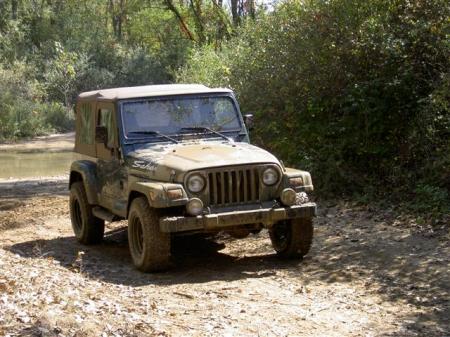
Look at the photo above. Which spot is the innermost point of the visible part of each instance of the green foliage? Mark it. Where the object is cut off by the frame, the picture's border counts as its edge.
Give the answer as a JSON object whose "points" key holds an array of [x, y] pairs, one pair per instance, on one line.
{"points": [[17, 107], [20, 120], [56, 116], [73, 46], [63, 73], [430, 200], [206, 66], [23, 109], [355, 91], [138, 67]]}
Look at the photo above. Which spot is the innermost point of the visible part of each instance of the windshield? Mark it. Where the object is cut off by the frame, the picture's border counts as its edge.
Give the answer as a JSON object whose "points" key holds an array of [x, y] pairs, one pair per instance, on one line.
{"points": [[172, 116]]}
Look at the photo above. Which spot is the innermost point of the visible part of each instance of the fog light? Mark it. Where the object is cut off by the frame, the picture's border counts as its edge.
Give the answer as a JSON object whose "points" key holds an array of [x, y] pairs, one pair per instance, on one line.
{"points": [[288, 197], [175, 194], [194, 206]]}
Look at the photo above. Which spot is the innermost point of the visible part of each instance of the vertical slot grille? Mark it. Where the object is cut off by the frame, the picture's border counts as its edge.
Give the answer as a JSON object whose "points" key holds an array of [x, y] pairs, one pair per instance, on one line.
{"points": [[234, 186]]}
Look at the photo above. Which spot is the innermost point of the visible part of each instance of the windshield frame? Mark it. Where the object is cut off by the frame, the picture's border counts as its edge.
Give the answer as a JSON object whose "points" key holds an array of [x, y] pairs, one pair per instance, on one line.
{"points": [[155, 139]]}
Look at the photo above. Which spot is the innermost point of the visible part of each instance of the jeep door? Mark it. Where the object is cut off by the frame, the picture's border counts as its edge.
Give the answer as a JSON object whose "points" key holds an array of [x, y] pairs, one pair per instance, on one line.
{"points": [[111, 172]]}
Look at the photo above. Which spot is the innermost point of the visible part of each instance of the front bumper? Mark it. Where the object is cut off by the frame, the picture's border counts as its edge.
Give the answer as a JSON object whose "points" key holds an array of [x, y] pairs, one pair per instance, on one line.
{"points": [[266, 216]]}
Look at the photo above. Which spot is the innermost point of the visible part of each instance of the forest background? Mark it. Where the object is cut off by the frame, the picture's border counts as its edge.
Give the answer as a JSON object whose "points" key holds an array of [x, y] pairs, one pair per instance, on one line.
{"points": [[355, 91]]}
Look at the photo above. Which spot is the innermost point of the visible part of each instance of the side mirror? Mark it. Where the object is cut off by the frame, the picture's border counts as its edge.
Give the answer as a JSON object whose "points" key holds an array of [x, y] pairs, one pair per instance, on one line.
{"points": [[101, 135], [248, 120]]}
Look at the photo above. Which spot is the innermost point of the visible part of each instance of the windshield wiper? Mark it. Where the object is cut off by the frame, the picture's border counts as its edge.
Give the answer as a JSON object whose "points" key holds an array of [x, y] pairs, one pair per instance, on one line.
{"points": [[205, 129], [151, 132]]}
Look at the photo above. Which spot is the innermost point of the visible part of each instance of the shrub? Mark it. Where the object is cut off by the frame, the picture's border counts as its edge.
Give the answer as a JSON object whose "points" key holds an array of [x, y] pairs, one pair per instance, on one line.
{"points": [[23, 109], [140, 67], [18, 101], [355, 91], [56, 116], [21, 120], [63, 73], [430, 200]]}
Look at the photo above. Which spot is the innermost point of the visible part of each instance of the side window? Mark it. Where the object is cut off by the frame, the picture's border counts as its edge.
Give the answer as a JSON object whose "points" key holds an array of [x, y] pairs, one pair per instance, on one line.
{"points": [[105, 118], [86, 134]]}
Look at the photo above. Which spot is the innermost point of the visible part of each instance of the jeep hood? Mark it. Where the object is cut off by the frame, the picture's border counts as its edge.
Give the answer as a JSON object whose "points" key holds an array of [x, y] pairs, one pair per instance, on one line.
{"points": [[171, 162]]}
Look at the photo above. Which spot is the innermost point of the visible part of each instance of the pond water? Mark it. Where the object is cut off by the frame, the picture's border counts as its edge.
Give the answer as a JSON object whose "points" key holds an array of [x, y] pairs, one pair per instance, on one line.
{"points": [[35, 164]]}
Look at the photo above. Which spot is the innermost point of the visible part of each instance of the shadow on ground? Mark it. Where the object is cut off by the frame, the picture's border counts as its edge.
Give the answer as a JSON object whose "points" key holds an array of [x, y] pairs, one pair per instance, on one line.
{"points": [[196, 260], [401, 265]]}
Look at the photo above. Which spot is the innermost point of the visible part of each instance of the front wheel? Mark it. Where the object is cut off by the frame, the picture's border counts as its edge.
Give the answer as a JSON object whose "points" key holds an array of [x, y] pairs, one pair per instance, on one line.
{"points": [[149, 247], [292, 238]]}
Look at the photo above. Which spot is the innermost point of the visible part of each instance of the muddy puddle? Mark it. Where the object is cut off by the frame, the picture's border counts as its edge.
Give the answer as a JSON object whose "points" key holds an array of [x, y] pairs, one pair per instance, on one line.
{"points": [[34, 164]]}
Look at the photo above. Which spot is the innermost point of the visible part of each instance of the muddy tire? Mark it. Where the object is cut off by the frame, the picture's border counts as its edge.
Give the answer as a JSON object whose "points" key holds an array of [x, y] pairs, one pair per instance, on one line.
{"points": [[292, 238], [88, 228], [149, 247]]}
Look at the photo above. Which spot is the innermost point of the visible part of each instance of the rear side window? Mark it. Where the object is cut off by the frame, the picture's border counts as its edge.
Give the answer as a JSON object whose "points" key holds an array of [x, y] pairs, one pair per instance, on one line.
{"points": [[105, 119], [86, 130]]}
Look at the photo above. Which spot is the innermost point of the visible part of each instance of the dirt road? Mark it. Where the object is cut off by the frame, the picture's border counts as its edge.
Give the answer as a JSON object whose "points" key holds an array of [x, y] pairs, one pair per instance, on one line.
{"points": [[370, 273]]}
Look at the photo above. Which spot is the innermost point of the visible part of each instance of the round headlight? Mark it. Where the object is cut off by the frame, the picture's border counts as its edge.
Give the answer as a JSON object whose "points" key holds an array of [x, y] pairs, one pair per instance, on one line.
{"points": [[195, 183], [270, 176]]}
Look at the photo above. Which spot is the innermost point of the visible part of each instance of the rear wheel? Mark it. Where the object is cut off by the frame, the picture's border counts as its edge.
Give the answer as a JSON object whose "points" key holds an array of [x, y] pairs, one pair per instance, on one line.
{"points": [[149, 247], [292, 238], [88, 228]]}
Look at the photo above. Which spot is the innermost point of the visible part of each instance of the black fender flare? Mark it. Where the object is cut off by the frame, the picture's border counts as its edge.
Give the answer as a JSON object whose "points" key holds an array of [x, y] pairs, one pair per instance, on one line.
{"points": [[88, 171]]}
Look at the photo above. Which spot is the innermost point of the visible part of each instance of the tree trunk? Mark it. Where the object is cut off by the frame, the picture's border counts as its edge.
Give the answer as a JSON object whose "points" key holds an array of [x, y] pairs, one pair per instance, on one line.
{"points": [[234, 12], [196, 7], [14, 6], [251, 8], [184, 27], [117, 16]]}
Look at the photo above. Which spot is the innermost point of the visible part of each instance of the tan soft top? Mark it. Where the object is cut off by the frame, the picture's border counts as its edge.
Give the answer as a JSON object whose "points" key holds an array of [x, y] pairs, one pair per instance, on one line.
{"points": [[150, 91]]}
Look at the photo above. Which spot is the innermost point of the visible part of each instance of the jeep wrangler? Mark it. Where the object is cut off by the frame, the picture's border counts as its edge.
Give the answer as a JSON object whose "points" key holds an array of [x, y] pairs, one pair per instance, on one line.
{"points": [[176, 159]]}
